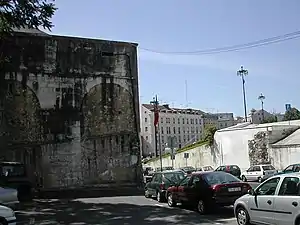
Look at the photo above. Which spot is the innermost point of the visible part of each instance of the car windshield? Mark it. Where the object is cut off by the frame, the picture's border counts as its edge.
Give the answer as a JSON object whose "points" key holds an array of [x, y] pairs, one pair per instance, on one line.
{"points": [[174, 177], [219, 178], [13, 170], [268, 167]]}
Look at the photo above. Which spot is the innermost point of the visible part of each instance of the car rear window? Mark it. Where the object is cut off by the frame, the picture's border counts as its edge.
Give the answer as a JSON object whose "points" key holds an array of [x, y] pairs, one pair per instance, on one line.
{"points": [[235, 168], [219, 178], [174, 177], [268, 167]]}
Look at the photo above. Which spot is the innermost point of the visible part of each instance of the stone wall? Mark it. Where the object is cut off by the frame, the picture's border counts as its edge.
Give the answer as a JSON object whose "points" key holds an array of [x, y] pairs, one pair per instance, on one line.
{"points": [[197, 157], [69, 109]]}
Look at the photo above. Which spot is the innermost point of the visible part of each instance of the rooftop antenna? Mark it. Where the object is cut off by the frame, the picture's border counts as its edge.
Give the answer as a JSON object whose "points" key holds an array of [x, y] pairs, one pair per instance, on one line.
{"points": [[186, 94]]}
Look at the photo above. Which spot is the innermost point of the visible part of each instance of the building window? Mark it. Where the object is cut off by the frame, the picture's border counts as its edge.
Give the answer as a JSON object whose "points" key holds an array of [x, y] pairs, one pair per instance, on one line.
{"points": [[162, 139], [169, 130], [161, 120], [146, 120], [188, 137], [168, 120], [197, 130], [225, 124], [178, 120], [174, 130], [182, 120], [179, 139], [192, 121], [178, 130], [146, 129], [196, 121], [162, 130], [187, 121], [187, 130], [174, 120], [183, 130], [146, 138]]}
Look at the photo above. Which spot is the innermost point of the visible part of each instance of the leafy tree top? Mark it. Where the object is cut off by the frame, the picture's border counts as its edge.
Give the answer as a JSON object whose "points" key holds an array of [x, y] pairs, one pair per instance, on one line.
{"points": [[292, 114], [209, 133], [25, 14]]}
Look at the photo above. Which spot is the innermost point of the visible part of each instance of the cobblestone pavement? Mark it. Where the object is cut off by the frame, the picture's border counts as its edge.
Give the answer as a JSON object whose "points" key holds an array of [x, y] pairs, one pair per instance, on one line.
{"points": [[129, 210], [133, 210]]}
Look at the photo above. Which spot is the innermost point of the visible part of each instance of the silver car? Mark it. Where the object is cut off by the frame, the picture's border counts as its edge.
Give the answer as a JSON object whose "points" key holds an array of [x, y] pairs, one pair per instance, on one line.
{"points": [[274, 202], [9, 197]]}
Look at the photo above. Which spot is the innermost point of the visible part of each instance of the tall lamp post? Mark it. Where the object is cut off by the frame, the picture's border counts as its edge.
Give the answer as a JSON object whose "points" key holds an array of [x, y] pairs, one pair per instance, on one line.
{"points": [[242, 73], [261, 97]]}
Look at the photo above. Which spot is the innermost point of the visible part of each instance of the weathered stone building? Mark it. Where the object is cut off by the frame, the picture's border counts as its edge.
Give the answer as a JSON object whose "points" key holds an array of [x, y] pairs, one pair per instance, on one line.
{"points": [[69, 109]]}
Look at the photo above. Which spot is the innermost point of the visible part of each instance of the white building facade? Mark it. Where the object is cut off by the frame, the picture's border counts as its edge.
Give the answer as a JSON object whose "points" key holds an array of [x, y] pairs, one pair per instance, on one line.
{"points": [[186, 126]]}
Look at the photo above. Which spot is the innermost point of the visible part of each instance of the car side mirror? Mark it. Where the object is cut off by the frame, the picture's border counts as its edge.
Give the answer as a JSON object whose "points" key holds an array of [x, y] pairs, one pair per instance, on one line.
{"points": [[251, 192]]}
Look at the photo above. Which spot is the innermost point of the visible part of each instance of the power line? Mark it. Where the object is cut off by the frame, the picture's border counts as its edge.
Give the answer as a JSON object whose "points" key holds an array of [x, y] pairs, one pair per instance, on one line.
{"points": [[253, 44]]}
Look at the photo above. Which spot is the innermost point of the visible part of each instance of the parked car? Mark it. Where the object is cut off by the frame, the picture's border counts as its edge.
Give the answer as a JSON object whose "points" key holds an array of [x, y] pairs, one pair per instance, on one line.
{"points": [[9, 197], [148, 171], [291, 169], [258, 173], [204, 190], [188, 169], [205, 168], [232, 169], [164, 168], [275, 201], [160, 182], [7, 216], [15, 175]]}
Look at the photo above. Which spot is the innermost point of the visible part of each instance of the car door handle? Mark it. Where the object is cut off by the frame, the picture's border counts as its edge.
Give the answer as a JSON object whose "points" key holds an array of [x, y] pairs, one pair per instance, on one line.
{"points": [[269, 202], [295, 204]]}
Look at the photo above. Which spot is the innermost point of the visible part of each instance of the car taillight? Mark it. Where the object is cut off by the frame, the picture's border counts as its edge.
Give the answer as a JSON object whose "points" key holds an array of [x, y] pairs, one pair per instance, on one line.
{"points": [[246, 187], [216, 187], [162, 186]]}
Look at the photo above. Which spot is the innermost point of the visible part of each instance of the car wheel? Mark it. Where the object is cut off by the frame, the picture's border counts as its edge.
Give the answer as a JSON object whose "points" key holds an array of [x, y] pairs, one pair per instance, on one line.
{"points": [[201, 207], [244, 179], [147, 195], [242, 216], [259, 180], [171, 201]]}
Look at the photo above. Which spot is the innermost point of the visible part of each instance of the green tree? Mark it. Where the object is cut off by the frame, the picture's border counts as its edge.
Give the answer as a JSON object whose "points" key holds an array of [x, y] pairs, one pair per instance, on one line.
{"points": [[292, 114], [271, 119], [23, 14], [209, 133]]}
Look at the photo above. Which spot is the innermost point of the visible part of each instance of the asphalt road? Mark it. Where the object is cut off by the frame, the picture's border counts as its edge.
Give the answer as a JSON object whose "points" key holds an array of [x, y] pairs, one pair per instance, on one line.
{"points": [[126, 210]]}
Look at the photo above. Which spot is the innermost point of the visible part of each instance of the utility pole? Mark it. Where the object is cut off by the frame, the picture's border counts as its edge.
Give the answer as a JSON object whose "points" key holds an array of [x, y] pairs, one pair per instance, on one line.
{"points": [[261, 97], [242, 73], [155, 104]]}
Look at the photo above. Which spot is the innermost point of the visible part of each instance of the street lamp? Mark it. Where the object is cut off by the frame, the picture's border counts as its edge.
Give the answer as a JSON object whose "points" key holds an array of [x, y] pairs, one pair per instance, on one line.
{"points": [[242, 73], [261, 97]]}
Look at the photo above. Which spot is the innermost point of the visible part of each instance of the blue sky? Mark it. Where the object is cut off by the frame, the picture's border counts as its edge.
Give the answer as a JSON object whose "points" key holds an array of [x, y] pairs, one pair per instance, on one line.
{"points": [[177, 25]]}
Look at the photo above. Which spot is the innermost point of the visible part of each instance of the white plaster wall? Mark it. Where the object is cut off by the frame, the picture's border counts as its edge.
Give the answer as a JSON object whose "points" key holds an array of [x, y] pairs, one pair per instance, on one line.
{"points": [[233, 146], [199, 156], [282, 157]]}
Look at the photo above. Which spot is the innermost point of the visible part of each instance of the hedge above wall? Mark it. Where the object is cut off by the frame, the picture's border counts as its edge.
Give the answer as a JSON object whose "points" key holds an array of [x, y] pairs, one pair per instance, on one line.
{"points": [[189, 147]]}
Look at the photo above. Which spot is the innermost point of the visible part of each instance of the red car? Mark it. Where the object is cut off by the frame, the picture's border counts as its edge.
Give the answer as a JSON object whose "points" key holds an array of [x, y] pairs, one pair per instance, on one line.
{"points": [[205, 190]]}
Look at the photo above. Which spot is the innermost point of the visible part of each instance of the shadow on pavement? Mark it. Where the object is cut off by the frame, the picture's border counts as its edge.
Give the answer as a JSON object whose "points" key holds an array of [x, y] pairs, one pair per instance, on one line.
{"points": [[79, 212]]}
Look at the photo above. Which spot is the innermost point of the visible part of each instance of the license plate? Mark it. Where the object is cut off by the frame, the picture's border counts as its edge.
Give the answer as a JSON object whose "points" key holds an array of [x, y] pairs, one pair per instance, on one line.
{"points": [[234, 189]]}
